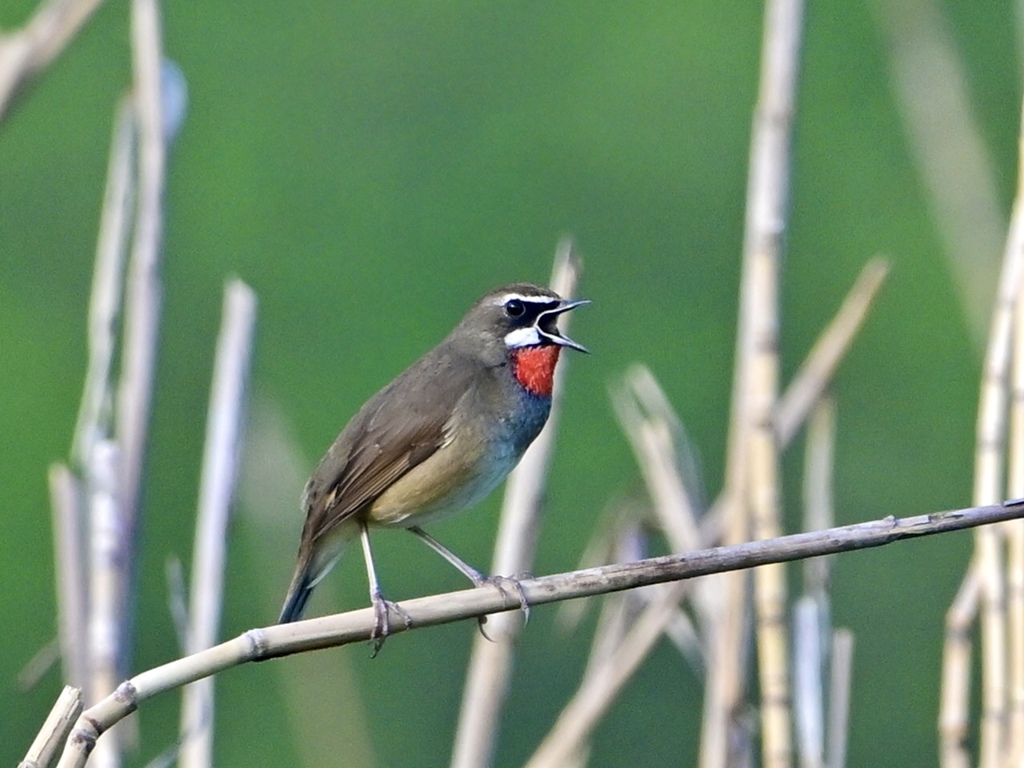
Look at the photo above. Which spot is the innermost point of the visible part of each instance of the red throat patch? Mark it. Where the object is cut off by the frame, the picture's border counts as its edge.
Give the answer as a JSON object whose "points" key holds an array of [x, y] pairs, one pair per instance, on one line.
{"points": [[535, 368]]}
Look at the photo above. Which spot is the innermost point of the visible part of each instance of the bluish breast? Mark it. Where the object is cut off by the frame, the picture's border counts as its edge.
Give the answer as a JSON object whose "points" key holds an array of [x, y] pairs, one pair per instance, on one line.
{"points": [[527, 420]]}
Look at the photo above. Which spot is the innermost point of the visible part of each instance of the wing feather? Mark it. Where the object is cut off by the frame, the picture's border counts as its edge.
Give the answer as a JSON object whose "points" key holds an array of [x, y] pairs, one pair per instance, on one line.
{"points": [[377, 448]]}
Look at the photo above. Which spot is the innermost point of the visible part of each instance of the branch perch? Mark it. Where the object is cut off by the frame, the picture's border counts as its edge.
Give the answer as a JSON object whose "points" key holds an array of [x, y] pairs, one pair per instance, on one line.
{"points": [[355, 626]]}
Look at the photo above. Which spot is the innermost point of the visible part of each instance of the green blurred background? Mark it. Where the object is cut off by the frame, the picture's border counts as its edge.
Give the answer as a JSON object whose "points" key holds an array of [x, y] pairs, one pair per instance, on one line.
{"points": [[370, 169]]}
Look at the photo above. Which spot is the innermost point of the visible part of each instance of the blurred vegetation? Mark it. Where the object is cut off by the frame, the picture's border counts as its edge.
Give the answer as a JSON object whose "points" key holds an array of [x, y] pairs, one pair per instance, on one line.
{"points": [[370, 169]]}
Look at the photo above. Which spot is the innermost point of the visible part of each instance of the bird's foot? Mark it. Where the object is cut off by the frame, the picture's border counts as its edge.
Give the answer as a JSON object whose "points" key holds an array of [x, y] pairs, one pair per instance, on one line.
{"points": [[507, 585], [382, 620]]}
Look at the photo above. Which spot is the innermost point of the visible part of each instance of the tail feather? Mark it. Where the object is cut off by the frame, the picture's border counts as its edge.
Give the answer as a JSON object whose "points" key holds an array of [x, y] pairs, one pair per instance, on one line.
{"points": [[310, 569], [298, 596]]}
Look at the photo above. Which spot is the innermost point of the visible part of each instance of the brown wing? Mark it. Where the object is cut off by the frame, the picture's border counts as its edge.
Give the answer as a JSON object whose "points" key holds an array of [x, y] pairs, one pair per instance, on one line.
{"points": [[389, 436]]}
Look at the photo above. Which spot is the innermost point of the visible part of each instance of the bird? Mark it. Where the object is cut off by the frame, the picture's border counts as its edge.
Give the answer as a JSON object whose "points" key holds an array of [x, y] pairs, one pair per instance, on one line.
{"points": [[435, 441]]}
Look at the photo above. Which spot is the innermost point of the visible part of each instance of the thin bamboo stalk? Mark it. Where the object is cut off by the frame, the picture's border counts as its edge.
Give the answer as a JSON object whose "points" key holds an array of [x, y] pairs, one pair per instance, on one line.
{"points": [[105, 583], [599, 688], [25, 53], [1014, 533], [815, 374], [989, 485], [808, 663], [70, 564], [812, 623], [112, 597], [216, 495], [55, 730], [956, 674], [143, 294], [749, 458], [94, 411], [839, 697], [768, 198]]}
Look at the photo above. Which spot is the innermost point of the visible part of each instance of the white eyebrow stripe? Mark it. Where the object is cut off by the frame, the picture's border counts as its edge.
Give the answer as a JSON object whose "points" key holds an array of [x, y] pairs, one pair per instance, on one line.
{"points": [[531, 299], [522, 337]]}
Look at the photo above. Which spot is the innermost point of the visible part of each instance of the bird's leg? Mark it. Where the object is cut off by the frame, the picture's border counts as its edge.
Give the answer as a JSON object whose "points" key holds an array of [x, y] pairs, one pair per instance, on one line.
{"points": [[478, 579], [381, 607]]}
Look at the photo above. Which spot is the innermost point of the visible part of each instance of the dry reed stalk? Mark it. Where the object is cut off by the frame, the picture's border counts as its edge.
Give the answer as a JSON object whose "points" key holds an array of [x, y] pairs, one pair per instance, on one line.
{"points": [[767, 198], [808, 700], [106, 583], [94, 411], [603, 683], [357, 626], [653, 429], [840, 687], [661, 448], [819, 512], [1014, 533], [25, 53], [490, 664], [224, 424], [117, 466], [143, 289], [816, 372], [70, 566], [956, 674], [601, 548], [87, 511], [769, 581], [813, 378], [51, 737], [989, 484], [812, 625]]}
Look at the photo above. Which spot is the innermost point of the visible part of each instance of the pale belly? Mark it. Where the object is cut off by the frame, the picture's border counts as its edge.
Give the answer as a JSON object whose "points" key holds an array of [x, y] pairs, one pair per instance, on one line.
{"points": [[440, 487], [459, 476]]}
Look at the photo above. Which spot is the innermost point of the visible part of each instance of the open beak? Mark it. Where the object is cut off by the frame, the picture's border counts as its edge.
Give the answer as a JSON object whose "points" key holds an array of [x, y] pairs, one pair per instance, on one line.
{"points": [[547, 325]]}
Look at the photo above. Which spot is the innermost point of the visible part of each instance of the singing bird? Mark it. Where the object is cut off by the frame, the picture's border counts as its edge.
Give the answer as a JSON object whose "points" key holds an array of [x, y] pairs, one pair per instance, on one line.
{"points": [[436, 440]]}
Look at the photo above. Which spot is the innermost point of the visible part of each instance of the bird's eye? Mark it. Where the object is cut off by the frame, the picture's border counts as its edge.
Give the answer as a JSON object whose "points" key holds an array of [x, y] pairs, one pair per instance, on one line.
{"points": [[514, 308]]}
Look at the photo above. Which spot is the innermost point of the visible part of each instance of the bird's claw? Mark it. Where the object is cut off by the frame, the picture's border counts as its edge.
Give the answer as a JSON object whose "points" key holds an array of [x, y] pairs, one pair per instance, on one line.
{"points": [[505, 585], [382, 621]]}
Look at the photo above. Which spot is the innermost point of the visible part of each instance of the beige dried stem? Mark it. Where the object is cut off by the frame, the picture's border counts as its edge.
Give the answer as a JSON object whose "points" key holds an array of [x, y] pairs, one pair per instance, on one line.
{"points": [[143, 289], [51, 737], [224, 424], [955, 701], [70, 568], [811, 615], [26, 52], [357, 626], [989, 485], [116, 466], [85, 507], [821, 710], [605, 678], [767, 200], [617, 614], [840, 689], [651, 427], [490, 665], [86, 522], [816, 372], [1014, 533], [94, 411]]}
